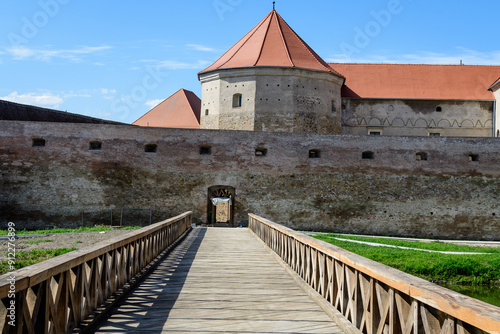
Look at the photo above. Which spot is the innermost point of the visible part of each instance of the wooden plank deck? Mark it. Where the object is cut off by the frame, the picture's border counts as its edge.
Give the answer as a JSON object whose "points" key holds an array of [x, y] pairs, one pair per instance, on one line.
{"points": [[218, 281]]}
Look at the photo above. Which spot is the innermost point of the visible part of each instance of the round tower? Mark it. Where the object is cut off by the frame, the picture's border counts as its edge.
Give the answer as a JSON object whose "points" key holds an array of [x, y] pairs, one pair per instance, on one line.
{"points": [[271, 80]]}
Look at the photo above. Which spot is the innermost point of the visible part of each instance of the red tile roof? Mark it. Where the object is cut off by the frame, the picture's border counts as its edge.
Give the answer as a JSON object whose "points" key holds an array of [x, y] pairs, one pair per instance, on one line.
{"points": [[271, 43], [181, 110], [425, 82]]}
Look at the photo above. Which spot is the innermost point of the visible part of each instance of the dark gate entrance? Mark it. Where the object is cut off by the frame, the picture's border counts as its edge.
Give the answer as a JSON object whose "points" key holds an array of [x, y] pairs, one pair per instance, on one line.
{"points": [[221, 210]]}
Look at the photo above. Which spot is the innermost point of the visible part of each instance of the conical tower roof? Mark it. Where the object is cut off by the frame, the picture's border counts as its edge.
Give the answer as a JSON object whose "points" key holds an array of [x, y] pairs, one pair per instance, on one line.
{"points": [[271, 43]]}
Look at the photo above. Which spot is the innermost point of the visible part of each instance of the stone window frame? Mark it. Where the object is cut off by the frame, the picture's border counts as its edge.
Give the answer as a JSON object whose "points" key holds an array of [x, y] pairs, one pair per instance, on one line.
{"points": [[205, 150], [368, 155], [473, 157], [375, 131], [314, 154], [95, 145], [421, 156], [38, 142], [261, 152], [151, 148], [237, 100]]}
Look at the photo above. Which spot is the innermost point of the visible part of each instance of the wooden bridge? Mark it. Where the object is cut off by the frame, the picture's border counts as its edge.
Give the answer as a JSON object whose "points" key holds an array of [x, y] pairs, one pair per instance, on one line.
{"points": [[170, 278]]}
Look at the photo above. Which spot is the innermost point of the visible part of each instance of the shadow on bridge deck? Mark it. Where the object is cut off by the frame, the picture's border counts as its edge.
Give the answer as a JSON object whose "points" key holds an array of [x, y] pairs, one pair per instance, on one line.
{"points": [[218, 281]]}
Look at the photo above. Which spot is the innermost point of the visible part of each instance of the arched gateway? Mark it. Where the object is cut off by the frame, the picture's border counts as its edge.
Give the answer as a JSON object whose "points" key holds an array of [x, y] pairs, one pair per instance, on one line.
{"points": [[220, 206]]}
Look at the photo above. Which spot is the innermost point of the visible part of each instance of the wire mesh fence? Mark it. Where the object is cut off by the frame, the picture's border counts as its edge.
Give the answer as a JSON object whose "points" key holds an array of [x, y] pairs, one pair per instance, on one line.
{"points": [[117, 217]]}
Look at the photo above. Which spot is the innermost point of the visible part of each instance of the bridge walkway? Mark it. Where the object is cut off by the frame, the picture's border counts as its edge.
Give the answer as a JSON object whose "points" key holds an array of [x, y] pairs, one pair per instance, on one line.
{"points": [[218, 281]]}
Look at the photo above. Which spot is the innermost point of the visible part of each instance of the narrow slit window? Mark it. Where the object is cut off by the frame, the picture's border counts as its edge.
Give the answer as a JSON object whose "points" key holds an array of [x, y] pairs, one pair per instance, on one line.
{"points": [[368, 155], [205, 150], [261, 152], [206, 112], [434, 134], [421, 156], [314, 154], [473, 157], [237, 99], [95, 146], [150, 148], [38, 142]]}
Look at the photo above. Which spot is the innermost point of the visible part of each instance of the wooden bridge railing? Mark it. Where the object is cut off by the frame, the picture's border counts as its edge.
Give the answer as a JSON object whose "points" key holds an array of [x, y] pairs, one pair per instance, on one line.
{"points": [[373, 297], [57, 295]]}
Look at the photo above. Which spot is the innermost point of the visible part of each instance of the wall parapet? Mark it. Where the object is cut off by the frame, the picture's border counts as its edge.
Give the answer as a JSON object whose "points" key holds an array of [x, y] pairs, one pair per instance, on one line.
{"points": [[287, 153], [374, 297]]}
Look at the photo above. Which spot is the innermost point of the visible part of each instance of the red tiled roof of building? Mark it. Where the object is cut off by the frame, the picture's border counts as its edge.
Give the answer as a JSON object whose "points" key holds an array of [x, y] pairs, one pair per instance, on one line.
{"points": [[424, 82], [271, 43], [181, 110]]}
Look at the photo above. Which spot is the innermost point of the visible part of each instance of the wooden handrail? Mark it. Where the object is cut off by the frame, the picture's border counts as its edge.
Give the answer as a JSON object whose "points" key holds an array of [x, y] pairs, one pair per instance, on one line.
{"points": [[57, 295], [372, 296]]}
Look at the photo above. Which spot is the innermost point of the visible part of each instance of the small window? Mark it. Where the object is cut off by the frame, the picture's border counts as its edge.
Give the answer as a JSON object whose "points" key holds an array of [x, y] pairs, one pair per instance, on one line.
{"points": [[334, 106], [421, 156], [368, 155], [150, 148], [375, 133], [314, 154], [473, 157], [439, 109], [261, 152], [237, 98], [38, 142], [391, 108], [434, 134], [95, 146], [205, 150], [206, 112]]}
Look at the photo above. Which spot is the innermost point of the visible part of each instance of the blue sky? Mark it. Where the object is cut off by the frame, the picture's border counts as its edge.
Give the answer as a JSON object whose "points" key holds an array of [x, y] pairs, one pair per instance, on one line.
{"points": [[117, 59]]}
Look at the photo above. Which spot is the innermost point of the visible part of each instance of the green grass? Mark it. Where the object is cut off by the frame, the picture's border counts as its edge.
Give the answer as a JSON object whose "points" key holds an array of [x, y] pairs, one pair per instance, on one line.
{"points": [[72, 230], [36, 242], [24, 259], [435, 245], [435, 267]]}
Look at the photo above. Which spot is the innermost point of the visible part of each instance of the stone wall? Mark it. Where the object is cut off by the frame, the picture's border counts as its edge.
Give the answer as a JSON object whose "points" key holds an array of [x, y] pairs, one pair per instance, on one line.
{"points": [[418, 117], [273, 100], [407, 186]]}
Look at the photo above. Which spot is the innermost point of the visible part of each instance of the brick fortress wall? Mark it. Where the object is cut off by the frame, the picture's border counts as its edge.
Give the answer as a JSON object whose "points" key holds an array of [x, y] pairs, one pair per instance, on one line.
{"points": [[406, 186]]}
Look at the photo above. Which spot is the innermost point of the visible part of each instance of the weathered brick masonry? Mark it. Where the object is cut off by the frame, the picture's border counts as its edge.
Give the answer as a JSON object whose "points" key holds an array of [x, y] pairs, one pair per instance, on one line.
{"points": [[452, 194]]}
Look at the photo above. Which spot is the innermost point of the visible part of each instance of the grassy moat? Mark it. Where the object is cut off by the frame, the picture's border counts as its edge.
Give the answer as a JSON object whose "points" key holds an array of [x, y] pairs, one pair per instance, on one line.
{"points": [[476, 275]]}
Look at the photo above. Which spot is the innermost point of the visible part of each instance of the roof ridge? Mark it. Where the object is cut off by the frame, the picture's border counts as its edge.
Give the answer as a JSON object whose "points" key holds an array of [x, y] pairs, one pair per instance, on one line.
{"points": [[309, 49], [265, 37], [409, 64], [283, 39], [255, 29]]}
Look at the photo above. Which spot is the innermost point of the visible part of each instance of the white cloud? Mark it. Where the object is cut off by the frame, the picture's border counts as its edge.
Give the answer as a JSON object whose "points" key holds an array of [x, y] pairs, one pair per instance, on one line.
{"points": [[105, 91], [203, 48], [23, 52], [469, 57], [153, 103], [43, 99], [175, 65]]}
